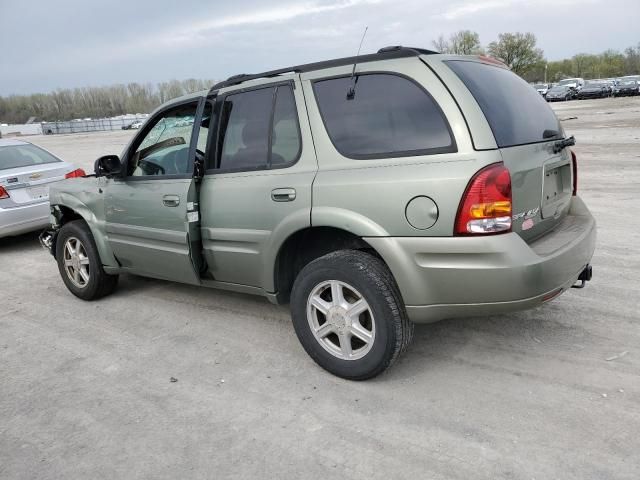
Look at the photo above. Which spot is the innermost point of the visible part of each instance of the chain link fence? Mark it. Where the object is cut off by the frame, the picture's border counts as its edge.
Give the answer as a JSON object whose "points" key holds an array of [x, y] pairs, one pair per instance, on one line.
{"points": [[97, 125]]}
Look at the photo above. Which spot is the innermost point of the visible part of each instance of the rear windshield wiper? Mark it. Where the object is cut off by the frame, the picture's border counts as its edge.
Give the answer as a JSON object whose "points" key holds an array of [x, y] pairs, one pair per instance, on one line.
{"points": [[564, 143], [550, 134]]}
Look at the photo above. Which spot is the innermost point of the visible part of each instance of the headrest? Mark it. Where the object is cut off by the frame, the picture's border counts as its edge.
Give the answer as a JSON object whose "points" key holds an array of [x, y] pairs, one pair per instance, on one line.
{"points": [[254, 133]]}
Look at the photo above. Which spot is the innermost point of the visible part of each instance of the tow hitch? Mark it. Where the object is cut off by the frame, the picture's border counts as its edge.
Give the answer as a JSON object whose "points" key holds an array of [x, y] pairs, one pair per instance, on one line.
{"points": [[584, 277]]}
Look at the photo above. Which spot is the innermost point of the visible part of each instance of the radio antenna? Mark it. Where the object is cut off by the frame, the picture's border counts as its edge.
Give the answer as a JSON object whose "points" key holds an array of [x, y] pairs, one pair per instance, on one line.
{"points": [[351, 94]]}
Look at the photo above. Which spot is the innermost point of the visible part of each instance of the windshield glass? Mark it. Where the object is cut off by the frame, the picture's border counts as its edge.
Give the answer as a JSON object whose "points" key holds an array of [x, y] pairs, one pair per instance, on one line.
{"points": [[568, 81], [15, 156], [540, 85], [516, 113]]}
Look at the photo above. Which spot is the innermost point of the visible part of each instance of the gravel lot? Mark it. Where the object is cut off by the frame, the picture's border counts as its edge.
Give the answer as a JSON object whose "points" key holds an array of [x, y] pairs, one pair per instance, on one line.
{"points": [[553, 393]]}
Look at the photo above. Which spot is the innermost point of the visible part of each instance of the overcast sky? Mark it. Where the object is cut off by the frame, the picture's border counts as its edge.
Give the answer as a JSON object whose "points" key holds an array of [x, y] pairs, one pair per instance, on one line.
{"points": [[52, 44]]}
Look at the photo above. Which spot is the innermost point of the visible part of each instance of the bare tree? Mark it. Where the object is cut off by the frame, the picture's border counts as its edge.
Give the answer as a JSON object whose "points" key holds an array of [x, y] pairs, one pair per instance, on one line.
{"points": [[441, 45], [464, 42]]}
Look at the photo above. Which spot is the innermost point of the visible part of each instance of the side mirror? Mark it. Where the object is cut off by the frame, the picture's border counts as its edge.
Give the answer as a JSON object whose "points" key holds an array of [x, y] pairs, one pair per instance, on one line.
{"points": [[108, 166]]}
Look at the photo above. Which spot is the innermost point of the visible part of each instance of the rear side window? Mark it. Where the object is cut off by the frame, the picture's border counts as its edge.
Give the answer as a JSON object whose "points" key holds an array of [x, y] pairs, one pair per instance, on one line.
{"points": [[516, 113], [15, 156], [389, 116], [259, 129]]}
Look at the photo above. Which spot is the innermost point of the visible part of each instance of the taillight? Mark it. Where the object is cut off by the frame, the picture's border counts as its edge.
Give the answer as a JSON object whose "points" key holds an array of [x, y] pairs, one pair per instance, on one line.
{"points": [[574, 168], [486, 205], [3, 193], [76, 173]]}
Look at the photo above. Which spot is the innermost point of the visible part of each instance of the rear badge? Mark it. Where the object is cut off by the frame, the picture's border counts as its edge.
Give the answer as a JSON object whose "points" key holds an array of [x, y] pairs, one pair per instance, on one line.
{"points": [[12, 180], [529, 214], [527, 224], [35, 176]]}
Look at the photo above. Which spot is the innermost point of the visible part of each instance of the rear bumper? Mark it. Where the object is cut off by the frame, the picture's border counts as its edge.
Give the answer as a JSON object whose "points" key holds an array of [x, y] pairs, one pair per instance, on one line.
{"points": [[445, 277], [18, 220]]}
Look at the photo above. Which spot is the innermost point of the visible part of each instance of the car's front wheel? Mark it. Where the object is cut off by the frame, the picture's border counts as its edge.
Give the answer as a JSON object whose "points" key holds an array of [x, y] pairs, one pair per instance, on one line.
{"points": [[79, 263], [348, 314]]}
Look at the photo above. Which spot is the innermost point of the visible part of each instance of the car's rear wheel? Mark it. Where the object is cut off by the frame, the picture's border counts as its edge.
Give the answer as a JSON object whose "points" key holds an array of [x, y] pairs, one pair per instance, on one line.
{"points": [[349, 315], [79, 263]]}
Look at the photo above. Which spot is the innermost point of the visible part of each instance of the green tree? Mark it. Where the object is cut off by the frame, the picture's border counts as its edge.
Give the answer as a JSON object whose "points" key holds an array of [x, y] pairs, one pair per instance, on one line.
{"points": [[517, 50], [632, 60], [465, 42]]}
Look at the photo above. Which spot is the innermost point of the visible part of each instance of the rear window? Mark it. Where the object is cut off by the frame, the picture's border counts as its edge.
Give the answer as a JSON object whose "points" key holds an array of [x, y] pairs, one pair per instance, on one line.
{"points": [[389, 116], [516, 113], [16, 156]]}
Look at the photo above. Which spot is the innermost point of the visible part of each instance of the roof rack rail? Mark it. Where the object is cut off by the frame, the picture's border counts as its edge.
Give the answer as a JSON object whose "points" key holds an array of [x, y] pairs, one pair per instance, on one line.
{"points": [[386, 53], [244, 77], [396, 48]]}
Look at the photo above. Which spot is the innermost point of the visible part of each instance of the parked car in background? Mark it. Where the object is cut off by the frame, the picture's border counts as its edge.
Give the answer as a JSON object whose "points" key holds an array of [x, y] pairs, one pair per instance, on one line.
{"points": [[560, 93], [26, 173], [627, 88], [576, 83], [132, 126], [542, 88], [409, 191], [593, 90]]}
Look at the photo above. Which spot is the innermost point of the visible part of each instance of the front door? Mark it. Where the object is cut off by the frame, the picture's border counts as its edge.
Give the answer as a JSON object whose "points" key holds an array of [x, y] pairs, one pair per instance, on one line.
{"points": [[152, 215]]}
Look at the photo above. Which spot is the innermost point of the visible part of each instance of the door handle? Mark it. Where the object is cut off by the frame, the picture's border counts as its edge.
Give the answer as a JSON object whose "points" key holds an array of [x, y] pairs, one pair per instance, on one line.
{"points": [[283, 195], [171, 200]]}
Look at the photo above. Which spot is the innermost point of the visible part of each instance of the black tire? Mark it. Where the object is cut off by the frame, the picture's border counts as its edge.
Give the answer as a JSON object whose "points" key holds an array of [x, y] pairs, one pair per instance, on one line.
{"points": [[374, 282], [99, 283]]}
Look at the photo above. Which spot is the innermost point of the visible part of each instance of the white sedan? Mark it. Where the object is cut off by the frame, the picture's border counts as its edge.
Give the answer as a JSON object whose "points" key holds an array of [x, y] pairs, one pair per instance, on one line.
{"points": [[26, 172]]}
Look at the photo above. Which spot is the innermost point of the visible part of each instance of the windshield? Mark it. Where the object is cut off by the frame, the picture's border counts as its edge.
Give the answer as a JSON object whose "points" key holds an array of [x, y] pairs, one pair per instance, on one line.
{"points": [[27, 155], [568, 81], [540, 85], [516, 113], [628, 82]]}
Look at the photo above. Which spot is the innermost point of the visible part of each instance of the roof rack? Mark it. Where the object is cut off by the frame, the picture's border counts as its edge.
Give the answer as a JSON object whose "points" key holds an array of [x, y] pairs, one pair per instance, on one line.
{"points": [[386, 53]]}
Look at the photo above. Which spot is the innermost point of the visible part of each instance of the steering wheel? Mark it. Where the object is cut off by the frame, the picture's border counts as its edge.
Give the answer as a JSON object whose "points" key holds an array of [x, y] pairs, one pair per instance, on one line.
{"points": [[180, 160], [151, 168]]}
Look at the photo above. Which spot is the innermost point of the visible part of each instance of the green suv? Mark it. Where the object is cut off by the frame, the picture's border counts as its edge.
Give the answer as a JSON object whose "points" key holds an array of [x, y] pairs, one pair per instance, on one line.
{"points": [[370, 193]]}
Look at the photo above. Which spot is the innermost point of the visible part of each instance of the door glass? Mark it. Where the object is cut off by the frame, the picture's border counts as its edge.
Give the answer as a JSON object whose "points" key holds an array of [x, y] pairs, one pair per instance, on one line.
{"points": [[164, 150], [244, 130], [285, 141]]}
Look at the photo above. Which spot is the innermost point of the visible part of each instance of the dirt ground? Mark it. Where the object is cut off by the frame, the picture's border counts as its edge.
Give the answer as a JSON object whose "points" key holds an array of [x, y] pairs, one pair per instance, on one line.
{"points": [[553, 393]]}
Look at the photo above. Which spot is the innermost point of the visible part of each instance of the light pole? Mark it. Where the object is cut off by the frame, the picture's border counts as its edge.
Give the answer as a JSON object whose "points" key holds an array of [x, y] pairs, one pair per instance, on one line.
{"points": [[545, 72]]}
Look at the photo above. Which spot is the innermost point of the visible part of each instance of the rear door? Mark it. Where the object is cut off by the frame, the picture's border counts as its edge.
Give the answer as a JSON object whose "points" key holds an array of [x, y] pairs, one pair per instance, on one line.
{"points": [[526, 131], [152, 212], [257, 188], [27, 171]]}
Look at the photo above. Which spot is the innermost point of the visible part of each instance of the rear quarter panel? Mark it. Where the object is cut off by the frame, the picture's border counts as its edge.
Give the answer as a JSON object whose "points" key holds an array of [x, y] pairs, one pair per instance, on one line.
{"points": [[369, 197]]}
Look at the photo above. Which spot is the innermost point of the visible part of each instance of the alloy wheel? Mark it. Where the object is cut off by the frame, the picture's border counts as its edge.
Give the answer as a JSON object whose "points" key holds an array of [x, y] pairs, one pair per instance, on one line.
{"points": [[76, 262], [341, 320]]}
